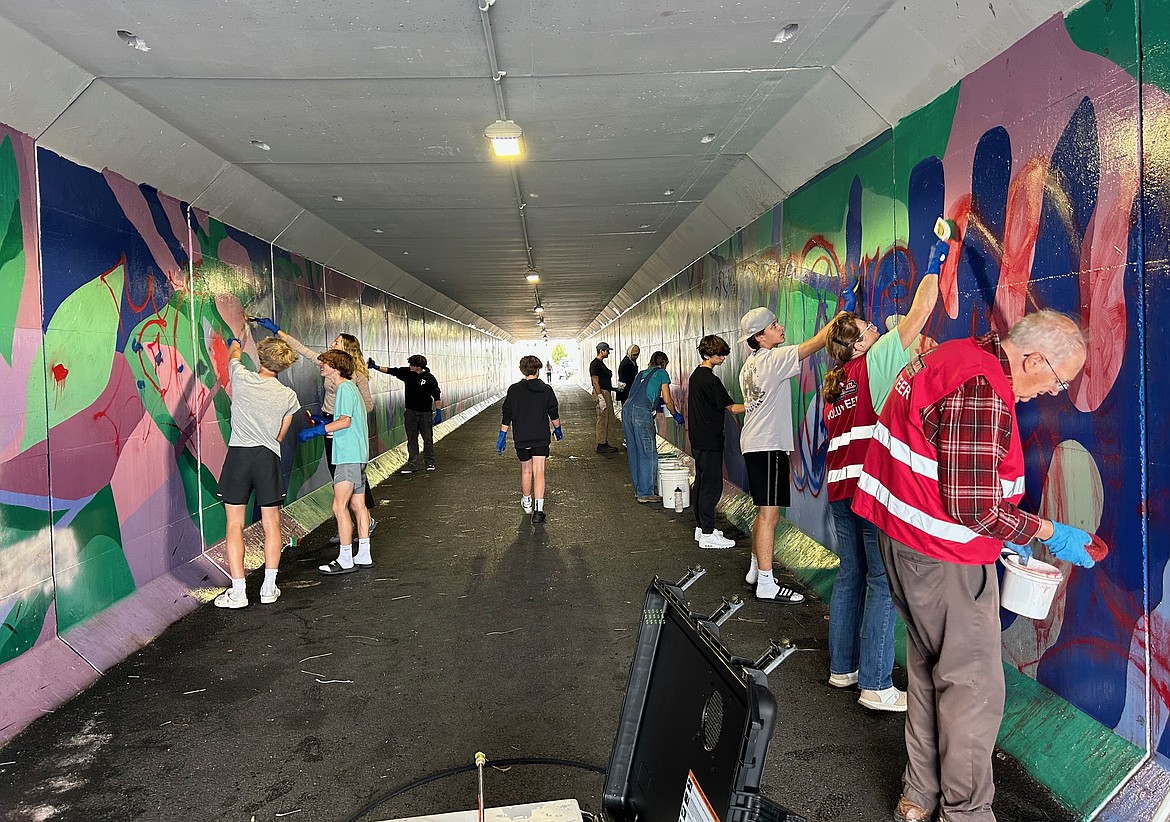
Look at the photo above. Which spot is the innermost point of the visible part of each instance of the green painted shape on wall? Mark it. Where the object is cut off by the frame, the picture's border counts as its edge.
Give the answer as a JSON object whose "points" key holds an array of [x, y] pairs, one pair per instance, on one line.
{"points": [[24, 624], [199, 487], [12, 259], [1071, 754], [1075, 757], [101, 576], [78, 350], [1110, 28]]}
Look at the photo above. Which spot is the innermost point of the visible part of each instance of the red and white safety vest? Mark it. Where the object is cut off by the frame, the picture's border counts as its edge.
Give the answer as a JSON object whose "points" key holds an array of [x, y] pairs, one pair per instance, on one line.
{"points": [[898, 490], [850, 423]]}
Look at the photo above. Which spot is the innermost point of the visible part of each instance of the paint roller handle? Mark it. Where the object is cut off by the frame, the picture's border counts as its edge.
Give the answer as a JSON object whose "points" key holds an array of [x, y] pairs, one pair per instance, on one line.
{"points": [[1069, 544]]}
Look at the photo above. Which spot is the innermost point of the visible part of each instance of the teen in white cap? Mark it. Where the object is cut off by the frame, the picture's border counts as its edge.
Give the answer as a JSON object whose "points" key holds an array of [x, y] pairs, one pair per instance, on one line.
{"points": [[767, 437]]}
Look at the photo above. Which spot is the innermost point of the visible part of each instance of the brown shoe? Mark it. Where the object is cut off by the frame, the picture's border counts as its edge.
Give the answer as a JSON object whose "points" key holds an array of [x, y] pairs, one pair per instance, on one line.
{"points": [[907, 811]]}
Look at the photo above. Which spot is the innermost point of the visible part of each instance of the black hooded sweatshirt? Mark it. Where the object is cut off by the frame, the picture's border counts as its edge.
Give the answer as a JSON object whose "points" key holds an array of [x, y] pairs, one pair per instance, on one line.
{"points": [[528, 407]]}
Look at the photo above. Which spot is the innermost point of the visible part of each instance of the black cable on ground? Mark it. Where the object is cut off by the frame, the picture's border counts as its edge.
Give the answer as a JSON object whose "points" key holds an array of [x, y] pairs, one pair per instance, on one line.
{"points": [[498, 763]]}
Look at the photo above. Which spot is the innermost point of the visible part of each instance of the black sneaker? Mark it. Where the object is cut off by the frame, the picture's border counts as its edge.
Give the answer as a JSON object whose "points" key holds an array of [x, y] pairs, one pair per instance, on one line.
{"points": [[537, 517], [407, 469], [431, 467]]}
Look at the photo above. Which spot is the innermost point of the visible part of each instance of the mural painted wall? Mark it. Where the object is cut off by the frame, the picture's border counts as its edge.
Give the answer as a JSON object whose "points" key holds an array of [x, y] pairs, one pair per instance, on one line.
{"points": [[1054, 159], [115, 302]]}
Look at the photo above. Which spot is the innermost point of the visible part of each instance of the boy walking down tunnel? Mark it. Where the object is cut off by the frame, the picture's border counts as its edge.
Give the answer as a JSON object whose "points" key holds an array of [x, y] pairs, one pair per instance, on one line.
{"points": [[528, 407]]}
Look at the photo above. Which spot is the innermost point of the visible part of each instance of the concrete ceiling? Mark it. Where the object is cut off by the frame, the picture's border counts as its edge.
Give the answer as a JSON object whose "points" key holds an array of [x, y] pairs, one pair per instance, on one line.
{"points": [[383, 104]]}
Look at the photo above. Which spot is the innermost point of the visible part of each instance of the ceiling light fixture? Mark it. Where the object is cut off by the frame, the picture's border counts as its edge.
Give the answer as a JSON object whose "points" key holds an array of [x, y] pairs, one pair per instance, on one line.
{"points": [[505, 138], [133, 40], [787, 33], [644, 225], [539, 309], [709, 137], [260, 144], [338, 198], [668, 192], [377, 231], [533, 277], [540, 323]]}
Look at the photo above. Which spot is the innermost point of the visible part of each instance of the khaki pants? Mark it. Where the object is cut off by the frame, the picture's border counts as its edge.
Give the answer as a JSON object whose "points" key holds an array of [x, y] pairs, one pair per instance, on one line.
{"points": [[956, 691], [607, 429]]}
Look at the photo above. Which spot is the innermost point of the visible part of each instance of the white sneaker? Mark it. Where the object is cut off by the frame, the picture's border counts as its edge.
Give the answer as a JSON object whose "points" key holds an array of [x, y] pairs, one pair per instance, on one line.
{"points": [[716, 542], [843, 680], [777, 593], [526, 504], [887, 699], [226, 600], [271, 597], [699, 533], [752, 576]]}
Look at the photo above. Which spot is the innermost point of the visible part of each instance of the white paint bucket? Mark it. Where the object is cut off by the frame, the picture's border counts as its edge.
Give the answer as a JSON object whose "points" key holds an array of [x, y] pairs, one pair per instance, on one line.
{"points": [[666, 464], [673, 479], [1028, 590]]}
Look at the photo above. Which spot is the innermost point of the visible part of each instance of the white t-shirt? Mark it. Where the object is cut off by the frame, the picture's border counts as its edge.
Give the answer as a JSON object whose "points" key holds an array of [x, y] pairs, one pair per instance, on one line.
{"points": [[766, 383], [259, 406]]}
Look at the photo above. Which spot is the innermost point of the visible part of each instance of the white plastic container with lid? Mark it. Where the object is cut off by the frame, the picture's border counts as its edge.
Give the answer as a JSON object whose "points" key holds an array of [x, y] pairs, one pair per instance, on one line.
{"points": [[1028, 590]]}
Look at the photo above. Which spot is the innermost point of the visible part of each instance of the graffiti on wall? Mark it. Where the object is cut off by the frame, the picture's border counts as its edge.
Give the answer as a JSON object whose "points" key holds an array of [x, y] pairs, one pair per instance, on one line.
{"points": [[113, 362], [1036, 156]]}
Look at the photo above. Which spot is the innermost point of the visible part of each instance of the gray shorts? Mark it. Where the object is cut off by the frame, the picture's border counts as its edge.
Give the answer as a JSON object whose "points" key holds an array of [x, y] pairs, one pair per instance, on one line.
{"points": [[354, 472]]}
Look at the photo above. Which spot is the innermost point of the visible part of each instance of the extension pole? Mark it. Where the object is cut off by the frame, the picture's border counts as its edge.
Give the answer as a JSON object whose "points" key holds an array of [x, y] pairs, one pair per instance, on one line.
{"points": [[480, 761]]}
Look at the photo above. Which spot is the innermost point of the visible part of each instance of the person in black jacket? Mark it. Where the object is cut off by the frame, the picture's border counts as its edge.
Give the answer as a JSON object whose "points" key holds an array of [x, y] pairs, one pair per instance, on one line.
{"points": [[528, 407], [627, 373], [421, 389]]}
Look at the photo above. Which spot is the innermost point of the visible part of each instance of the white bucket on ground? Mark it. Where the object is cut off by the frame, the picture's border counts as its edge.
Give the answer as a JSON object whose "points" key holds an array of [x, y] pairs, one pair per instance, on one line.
{"points": [[673, 479], [1028, 590], [666, 464]]}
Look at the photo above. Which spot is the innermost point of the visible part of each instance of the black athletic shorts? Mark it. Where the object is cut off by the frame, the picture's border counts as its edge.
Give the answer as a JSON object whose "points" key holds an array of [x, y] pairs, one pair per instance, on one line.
{"points": [[248, 469], [768, 478], [526, 452]]}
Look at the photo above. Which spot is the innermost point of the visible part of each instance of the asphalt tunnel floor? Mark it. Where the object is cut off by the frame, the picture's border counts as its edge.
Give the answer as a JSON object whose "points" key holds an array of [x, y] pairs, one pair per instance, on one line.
{"points": [[475, 631]]}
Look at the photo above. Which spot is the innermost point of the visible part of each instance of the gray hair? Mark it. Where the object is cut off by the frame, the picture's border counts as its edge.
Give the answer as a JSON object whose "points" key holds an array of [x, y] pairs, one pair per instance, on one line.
{"points": [[1056, 335]]}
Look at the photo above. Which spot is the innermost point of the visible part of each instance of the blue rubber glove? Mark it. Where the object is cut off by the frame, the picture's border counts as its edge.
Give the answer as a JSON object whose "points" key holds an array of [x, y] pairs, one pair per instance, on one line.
{"points": [[558, 433], [938, 256], [849, 296], [438, 416], [320, 419], [307, 434], [1069, 544], [501, 441], [373, 366], [267, 324], [1024, 552], [230, 340], [677, 417]]}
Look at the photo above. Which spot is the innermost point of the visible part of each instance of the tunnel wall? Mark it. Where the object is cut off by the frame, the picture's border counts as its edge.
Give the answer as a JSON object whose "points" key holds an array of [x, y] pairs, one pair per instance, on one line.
{"points": [[1054, 159], [115, 302]]}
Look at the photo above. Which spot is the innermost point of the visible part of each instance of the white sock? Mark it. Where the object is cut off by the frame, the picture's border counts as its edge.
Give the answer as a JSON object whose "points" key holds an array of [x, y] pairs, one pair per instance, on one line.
{"points": [[526, 500], [345, 558], [363, 554], [540, 505], [755, 564], [765, 578], [269, 579], [238, 589]]}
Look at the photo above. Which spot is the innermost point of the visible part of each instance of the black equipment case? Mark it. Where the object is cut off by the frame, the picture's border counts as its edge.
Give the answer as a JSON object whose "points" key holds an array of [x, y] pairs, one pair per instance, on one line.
{"points": [[692, 714]]}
